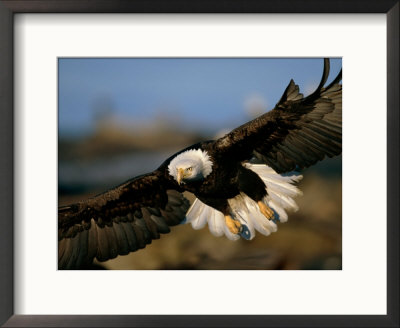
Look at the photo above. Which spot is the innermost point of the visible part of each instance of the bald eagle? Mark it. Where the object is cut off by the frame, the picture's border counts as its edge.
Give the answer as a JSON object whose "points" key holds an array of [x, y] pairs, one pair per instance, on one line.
{"points": [[243, 182]]}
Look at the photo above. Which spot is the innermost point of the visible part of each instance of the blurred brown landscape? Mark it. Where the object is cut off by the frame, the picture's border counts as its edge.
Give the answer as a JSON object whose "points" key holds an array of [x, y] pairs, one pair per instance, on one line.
{"points": [[117, 151]]}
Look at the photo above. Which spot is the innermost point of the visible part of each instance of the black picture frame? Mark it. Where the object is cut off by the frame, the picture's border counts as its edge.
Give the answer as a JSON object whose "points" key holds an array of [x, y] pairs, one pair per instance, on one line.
{"points": [[10, 7]]}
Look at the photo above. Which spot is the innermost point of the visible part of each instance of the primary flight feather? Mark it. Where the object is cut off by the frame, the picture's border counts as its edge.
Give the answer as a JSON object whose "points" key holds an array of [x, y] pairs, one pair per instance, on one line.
{"points": [[243, 182]]}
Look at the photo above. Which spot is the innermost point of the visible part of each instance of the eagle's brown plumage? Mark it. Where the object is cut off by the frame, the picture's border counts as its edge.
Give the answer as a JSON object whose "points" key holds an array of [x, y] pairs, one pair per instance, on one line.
{"points": [[118, 221], [297, 133]]}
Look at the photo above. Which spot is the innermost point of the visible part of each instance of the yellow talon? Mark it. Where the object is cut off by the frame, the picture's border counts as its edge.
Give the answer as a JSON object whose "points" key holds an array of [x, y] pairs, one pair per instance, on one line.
{"points": [[233, 225], [265, 210]]}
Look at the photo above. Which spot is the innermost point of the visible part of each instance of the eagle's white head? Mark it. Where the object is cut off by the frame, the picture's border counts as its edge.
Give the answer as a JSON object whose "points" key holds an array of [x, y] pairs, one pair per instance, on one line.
{"points": [[190, 165]]}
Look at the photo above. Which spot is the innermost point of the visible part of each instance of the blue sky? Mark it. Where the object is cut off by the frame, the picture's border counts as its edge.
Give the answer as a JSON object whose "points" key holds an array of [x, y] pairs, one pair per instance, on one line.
{"points": [[203, 94]]}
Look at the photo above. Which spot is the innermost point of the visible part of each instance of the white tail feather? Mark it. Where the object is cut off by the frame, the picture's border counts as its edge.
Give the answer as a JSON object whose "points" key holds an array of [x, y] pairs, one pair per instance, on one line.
{"points": [[197, 220], [205, 214], [216, 222], [280, 191]]}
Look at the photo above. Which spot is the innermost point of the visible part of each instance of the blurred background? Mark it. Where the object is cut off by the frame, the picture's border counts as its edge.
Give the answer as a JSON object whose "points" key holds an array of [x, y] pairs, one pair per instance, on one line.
{"points": [[122, 117]]}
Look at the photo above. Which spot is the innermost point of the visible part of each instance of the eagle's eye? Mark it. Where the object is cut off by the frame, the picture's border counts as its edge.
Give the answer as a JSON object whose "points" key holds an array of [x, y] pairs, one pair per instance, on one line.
{"points": [[189, 169]]}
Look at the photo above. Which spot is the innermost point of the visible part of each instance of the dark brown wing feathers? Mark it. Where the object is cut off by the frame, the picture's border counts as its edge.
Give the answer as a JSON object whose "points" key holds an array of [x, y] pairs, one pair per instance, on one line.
{"points": [[119, 221], [297, 133]]}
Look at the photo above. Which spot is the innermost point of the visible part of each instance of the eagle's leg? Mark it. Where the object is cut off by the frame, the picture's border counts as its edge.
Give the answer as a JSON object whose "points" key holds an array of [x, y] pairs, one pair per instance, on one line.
{"points": [[234, 226], [265, 210], [221, 204], [254, 187]]}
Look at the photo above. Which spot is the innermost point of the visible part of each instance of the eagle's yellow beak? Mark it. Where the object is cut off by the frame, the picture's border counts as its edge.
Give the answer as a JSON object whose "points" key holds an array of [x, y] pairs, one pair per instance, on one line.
{"points": [[181, 175]]}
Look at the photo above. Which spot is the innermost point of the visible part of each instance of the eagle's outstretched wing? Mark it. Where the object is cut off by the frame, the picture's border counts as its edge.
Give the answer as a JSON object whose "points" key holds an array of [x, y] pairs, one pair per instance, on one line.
{"points": [[119, 221], [297, 133]]}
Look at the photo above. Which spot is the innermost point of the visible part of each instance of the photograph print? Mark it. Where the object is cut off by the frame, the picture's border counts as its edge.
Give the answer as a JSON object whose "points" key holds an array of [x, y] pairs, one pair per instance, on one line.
{"points": [[199, 164]]}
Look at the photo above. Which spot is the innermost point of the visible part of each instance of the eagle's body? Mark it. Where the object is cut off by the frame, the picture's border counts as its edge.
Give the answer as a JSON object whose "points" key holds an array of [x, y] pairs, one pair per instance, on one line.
{"points": [[223, 181], [242, 182]]}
